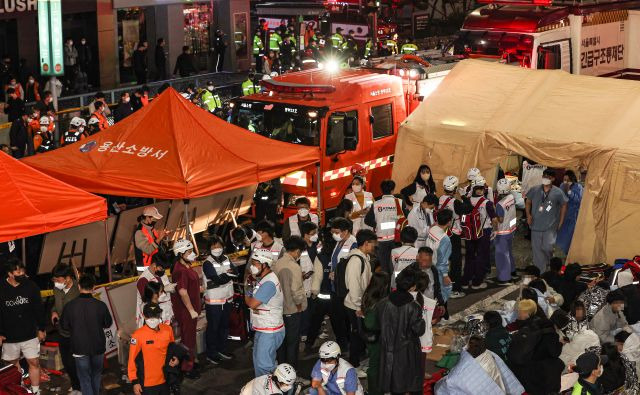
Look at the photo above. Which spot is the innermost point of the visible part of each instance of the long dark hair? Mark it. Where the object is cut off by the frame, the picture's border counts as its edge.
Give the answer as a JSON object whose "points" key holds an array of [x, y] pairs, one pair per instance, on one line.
{"points": [[430, 184], [377, 290], [571, 175]]}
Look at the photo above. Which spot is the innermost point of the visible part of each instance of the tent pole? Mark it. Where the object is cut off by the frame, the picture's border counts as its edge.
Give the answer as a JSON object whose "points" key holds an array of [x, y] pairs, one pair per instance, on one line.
{"points": [[319, 191], [187, 225], [108, 245], [24, 251]]}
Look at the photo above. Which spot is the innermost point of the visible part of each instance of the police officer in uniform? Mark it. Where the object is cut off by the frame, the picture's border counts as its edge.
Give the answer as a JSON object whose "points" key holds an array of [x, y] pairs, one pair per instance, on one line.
{"points": [[258, 48], [350, 46], [368, 49], [249, 86], [408, 48], [274, 41], [287, 52], [75, 132], [219, 48], [392, 45], [210, 99], [337, 40]]}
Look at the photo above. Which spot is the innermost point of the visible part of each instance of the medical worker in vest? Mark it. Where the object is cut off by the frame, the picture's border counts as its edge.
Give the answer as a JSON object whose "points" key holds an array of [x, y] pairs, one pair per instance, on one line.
{"points": [[146, 239], [503, 242], [266, 301], [383, 218], [292, 224], [573, 190], [332, 375], [546, 207], [218, 285]]}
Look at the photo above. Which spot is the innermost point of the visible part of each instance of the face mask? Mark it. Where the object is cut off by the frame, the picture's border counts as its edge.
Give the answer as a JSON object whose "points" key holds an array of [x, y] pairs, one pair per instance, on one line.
{"points": [[43, 128], [356, 188], [313, 238], [126, 99], [328, 366], [216, 252], [546, 181], [254, 270], [59, 286], [303, 212], [285, 388], [526, 280], [210, 87], [83, 42], [336, 236], [191, 257], [600, 371], [160, 272], [425, 176], [31, 80], [153, 223], [20, 279], [152, 322]]}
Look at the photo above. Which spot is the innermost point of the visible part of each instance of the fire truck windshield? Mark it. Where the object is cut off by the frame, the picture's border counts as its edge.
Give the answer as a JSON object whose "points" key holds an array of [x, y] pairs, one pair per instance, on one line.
{"points": [[283, 122], [510, 48]]}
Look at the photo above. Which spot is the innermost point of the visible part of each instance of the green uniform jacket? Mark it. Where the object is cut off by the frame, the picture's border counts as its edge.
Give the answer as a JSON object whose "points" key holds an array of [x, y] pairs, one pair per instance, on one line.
{"points": [[409, 49], [257, 45], [248, 87], [274, 41], [211, 101], [337, 41]]}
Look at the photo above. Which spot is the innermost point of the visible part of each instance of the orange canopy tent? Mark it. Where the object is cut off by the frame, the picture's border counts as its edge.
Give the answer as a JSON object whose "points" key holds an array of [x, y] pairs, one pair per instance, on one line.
{"points": [[34, 203], [172, 149]]}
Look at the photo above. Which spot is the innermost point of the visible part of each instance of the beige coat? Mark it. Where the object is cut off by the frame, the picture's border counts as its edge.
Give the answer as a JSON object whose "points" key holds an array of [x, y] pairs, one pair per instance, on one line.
{"points": [[356, 281], [290, 275]]}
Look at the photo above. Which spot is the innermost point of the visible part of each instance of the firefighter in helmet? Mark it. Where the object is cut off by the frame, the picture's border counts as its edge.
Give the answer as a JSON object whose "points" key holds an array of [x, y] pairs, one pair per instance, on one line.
{"points": [[93, 126], [392, 44], [43, 140], [75, 132]]}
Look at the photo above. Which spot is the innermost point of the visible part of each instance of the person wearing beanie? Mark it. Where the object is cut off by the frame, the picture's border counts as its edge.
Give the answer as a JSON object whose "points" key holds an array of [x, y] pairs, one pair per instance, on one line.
{"points": [[610, 319], [589, 367]]}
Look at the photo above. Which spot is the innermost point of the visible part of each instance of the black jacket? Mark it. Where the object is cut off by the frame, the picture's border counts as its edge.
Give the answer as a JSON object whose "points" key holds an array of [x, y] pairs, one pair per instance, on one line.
{"points": [[86, 318], [122, 111], [400, 352], [160, 58], [15, 109], [19, 137], [437, 290], [21, 311], [632, 305], [184, 65], [541, 374], [140, 61]]}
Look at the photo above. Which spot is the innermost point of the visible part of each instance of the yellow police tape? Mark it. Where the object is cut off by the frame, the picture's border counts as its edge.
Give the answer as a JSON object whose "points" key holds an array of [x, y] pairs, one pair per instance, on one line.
{"points": [[49, 292]]}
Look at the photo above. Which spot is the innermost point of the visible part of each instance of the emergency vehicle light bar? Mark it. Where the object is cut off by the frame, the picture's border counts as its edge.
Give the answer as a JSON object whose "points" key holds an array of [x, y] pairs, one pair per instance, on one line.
{"points": [[287, 87]]}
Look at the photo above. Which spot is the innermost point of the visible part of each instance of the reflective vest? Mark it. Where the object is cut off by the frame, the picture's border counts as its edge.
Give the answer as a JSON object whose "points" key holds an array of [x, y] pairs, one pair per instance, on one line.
{"points": [[262, 385], [337, 41], [385, 211], [446, 201], [434, 237], [358, 223], [401, 257], [211, 101], [71, 136], [344, 249], [258, 47], [267, 317], [146, 258], [294, 220], [102, 120], [274, 41], [306, 265], [339, 377], [420, 193], [367, 49], [248, 87], [409, 49], [482, 209], [222, 294], [510, 220], [275, 249], [420, 219], [392, 46], [164, 300]]}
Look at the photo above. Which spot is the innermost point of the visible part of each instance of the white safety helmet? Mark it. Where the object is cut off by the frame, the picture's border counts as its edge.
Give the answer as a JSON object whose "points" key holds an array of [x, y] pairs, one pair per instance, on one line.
{"points": [[473, 173], [329, 349], [93, 121], [479, 181], [285, 374], [45, 120], [181, 246], [450, 183], [77, 122], [263, 256], [503, 186]]}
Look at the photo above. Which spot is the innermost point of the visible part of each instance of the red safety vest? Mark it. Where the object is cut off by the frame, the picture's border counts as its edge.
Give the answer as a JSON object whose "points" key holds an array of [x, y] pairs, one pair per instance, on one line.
{"points": [[146, 258]]}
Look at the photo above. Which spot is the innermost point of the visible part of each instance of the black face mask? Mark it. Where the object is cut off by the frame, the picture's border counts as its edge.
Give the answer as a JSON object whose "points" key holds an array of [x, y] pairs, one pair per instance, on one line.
{"points": [[160, 272], [20, 279], [153, 224]]}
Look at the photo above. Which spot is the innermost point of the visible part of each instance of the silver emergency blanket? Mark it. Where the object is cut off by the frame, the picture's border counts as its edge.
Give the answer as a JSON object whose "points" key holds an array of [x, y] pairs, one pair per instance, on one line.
{"points": [[593, 298]]}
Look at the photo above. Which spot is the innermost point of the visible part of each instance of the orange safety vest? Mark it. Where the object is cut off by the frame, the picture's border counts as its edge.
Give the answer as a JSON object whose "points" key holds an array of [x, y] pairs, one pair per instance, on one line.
{"points": [[102, 120], [146, 258]]}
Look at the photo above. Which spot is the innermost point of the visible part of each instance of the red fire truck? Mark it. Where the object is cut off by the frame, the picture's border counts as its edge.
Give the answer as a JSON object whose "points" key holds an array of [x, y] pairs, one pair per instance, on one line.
{"points": [[352, 115], [580, 37]]}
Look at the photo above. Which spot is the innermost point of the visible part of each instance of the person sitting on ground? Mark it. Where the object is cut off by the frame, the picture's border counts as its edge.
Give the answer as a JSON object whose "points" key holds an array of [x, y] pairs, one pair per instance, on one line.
{"points": [[570, 287], [578, 314], [614, 374], [497, 338], [479, 371], [589, 367], [540, 288], [332, 375], [629, 345], [553, 276], [553, 297], [610, 319], [281, 381], [574, 342], [631, 294]]}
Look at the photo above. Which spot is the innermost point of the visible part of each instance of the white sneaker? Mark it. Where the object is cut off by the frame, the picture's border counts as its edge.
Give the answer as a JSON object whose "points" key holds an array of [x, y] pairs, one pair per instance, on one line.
{"points": [[457, 295], [481, 286]]}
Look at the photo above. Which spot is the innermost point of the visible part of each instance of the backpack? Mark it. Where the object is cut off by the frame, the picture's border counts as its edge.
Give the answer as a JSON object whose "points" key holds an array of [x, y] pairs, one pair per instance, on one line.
{"points": [[340, 275], [523, 344], [471, 224], [401, 223]]}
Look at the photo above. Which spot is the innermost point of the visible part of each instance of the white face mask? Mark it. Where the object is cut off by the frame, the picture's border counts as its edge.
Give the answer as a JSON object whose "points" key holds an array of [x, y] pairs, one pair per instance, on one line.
{"points": [[152, 322], [526, 280], [254, 270], [546, 181], [216, 252], [31, 80], [314, 238], [210, 87], [600, 371], [191, 257], [126, 99], [328, 366], [285, 388], [336, 236], [356, 188], [43, 128], [303, 212], [59, 286], [80, 129]]}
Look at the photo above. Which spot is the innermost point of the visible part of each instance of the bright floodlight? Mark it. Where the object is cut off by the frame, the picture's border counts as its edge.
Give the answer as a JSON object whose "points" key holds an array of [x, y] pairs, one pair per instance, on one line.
{"points": [[332, 66]]}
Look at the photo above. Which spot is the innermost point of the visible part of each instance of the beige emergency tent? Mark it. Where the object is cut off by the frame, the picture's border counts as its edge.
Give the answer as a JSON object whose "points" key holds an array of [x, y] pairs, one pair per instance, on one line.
{"points": [[483, 111]]}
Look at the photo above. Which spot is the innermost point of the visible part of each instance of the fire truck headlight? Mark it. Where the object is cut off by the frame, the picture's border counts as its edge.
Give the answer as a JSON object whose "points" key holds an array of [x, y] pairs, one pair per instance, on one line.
{"points": [[401, 72], [332, 66], [312, 114]]}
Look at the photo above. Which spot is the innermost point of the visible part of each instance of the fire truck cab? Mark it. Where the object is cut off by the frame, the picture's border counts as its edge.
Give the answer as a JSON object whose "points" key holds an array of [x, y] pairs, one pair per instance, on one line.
{"points": [[352, 116], [580, 37]]}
